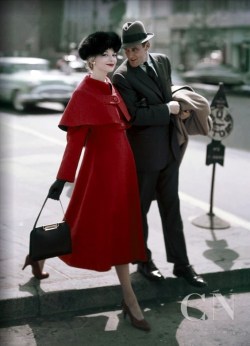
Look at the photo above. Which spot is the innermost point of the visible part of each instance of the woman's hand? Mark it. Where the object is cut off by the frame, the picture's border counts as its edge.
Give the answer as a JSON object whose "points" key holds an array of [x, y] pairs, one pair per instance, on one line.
{"points": [[56, 189]]}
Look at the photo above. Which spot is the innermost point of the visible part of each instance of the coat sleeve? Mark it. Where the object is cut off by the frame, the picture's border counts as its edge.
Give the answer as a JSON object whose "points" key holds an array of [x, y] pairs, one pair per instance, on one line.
{"points": [[76, 138], [142, 112]]}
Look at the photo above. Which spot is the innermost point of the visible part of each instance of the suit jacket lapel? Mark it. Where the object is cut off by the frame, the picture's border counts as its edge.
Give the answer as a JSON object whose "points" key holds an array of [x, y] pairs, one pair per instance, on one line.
{"points": [[146, 80], [160, 73]]}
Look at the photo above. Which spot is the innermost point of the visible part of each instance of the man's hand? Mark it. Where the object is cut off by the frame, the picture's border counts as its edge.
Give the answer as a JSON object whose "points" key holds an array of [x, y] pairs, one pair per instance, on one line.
{"points": [[174, 107], [185, 114]]}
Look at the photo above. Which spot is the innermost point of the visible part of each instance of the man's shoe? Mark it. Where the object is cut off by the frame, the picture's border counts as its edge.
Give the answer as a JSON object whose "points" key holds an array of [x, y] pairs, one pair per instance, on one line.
{"points": [[150, 271], [188, 273]]}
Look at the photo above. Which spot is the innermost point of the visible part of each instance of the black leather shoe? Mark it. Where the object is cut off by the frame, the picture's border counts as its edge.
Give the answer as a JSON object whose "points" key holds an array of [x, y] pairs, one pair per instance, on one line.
{"points": [[188, 273], [150, 271]]}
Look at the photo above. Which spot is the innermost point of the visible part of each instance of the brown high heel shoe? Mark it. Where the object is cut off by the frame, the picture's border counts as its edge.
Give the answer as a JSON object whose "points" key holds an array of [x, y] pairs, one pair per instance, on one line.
{"points": [[140, 324], [36, 270]]}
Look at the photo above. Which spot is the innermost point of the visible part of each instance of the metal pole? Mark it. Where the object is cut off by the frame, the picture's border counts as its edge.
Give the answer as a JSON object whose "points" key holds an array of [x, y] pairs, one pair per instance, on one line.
{"points": [[212, 192], [210, 220]]}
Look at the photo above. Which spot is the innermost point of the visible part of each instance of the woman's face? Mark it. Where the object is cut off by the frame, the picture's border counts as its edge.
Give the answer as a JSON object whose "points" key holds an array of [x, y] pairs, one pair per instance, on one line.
{"points": [[106, 62]]}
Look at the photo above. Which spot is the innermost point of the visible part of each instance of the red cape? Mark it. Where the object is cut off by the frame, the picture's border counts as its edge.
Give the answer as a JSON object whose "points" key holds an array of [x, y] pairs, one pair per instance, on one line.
{"points": [[93, 103]]}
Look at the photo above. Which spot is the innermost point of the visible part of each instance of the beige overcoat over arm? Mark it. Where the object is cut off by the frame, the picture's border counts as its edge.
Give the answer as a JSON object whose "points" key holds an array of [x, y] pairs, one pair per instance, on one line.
{"points": [[198, 122]]}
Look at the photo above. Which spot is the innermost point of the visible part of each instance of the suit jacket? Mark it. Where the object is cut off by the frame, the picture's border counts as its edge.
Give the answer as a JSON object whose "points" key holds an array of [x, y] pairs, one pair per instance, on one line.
{"points": [[152, 128], [154, 131]]}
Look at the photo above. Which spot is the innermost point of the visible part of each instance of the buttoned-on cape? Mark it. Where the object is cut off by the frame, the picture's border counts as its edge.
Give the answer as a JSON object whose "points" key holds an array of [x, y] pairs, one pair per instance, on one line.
{"points": [[104, 210]]}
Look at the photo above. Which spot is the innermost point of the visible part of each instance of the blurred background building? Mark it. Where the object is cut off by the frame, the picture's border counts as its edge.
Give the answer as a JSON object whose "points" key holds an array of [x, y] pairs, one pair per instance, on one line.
{"points": [[189, 30], [186, 30]]}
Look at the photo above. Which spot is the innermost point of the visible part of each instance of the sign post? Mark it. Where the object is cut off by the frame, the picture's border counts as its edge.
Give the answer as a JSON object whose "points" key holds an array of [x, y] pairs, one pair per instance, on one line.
{"points": [[221, 128]]}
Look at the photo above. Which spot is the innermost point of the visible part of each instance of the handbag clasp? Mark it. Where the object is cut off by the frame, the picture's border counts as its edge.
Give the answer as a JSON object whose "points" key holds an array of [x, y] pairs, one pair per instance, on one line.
{"points": [[50, 227]]}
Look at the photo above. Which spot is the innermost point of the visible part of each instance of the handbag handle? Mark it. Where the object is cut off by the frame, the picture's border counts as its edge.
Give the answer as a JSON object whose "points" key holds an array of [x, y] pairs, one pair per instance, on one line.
{"points": [[42, 210]]}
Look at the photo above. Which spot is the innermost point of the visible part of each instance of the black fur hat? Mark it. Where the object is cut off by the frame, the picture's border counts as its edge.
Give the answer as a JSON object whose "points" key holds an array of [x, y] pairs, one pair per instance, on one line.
{"points": [[97, 43]]}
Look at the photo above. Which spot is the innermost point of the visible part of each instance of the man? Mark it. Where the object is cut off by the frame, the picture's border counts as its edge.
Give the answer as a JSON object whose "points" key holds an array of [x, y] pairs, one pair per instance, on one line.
{"points": [[153, 138]]}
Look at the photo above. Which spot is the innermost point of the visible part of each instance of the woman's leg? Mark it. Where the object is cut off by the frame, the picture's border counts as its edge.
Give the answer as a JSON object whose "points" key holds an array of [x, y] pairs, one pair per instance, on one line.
{"points": [[41, 264], [37, 268], [128, 292]]}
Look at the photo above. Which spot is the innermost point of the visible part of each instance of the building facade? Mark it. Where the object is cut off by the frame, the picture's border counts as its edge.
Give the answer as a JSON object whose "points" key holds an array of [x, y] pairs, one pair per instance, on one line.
{"points": [[186, 30], [30, 27], [189, 30], [47, 28]]}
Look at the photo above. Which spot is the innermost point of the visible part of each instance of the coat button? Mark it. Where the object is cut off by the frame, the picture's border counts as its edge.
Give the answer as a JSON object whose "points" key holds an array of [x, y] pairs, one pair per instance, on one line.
{"points": [[115, 99]]}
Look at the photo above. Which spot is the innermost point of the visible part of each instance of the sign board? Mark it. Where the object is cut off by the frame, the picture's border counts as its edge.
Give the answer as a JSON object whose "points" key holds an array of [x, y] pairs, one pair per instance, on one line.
{"points": [[222, 122], [222, 126], [222, 119], [215, 153]]}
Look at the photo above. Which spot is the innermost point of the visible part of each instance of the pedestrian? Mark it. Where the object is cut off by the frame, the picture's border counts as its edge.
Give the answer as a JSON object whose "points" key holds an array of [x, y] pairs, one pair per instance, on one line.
{"points": [[104, 210], [144, 82]]}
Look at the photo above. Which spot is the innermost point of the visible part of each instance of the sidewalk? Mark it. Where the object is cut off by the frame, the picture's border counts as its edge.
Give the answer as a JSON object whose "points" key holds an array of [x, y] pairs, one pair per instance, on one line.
{"points": [[221, 256]]}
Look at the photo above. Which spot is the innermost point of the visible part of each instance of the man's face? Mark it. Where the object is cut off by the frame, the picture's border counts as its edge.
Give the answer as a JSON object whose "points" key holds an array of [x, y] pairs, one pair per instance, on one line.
{"points": [[136, 55]]}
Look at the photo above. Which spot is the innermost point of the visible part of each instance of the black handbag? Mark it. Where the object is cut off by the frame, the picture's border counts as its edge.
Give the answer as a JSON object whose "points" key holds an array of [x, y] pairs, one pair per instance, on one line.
{"points": [[50, 240]]}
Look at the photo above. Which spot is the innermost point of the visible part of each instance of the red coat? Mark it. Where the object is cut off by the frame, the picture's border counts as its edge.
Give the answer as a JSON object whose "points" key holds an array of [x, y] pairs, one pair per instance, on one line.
{"points": [[104, 210]]}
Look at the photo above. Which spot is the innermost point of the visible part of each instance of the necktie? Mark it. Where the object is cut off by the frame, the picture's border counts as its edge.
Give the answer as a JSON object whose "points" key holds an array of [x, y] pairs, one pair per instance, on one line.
{"points": [[151, 72]]}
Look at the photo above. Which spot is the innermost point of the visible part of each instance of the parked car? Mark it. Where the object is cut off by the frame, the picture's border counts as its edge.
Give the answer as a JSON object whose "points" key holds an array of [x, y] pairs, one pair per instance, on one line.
{"points": [[211, 73], [26, 81], [71, 63]]}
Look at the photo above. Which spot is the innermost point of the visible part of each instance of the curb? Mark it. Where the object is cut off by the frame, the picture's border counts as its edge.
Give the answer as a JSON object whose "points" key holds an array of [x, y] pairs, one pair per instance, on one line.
{"points": [[42, 304]]}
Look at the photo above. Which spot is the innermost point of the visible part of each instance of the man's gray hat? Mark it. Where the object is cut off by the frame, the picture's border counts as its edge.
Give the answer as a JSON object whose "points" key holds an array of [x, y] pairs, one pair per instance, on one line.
{"points": [[134, 33]]}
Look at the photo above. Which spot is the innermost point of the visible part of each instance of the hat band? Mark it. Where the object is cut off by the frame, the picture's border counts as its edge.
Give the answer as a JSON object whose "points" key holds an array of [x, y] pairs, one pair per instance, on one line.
{"points": [[134, 37]]}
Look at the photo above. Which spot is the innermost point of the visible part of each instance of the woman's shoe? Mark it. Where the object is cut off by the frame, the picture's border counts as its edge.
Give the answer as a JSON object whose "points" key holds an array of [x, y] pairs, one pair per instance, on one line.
{"points": [[36, 270], [140, 324]]}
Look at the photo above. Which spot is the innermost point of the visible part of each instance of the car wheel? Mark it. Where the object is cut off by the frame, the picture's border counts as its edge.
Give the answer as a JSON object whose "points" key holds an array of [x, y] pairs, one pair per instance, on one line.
{"points": [[17, 101]]}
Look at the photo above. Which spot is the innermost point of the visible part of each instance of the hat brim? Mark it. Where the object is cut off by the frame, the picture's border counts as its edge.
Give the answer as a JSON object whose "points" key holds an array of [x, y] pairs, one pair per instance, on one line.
{"points": [[131, 44]]}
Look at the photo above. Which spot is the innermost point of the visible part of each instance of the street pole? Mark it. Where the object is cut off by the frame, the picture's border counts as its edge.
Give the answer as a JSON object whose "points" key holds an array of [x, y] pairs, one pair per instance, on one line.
{"points": [[222, 127], [212, 192]]}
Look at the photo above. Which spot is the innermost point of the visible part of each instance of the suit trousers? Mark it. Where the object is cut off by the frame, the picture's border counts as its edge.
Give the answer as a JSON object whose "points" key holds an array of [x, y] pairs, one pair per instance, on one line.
{"points": [[163, 186]]}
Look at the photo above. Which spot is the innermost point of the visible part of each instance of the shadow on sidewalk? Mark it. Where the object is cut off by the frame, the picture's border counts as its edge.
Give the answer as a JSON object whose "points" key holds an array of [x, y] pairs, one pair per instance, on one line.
{"points": [[104, 328]]}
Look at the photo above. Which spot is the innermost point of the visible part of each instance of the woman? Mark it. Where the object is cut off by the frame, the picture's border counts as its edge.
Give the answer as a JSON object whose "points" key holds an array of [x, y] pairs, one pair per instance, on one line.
{"points": [[104, 209]]}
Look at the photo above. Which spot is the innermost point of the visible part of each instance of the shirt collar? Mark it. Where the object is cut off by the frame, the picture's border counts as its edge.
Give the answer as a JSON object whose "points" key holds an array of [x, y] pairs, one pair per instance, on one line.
{"points": [[148, 61]]}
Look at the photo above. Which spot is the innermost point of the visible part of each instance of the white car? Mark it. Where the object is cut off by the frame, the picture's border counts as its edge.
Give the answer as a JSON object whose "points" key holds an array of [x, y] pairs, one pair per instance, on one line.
{"points": [[27, 81]]}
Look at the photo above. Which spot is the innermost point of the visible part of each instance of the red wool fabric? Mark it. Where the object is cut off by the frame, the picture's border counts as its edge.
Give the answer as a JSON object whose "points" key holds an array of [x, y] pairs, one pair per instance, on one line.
{"points": [[104, 210]]}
